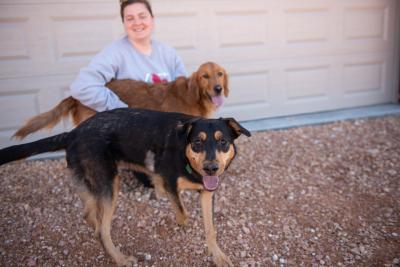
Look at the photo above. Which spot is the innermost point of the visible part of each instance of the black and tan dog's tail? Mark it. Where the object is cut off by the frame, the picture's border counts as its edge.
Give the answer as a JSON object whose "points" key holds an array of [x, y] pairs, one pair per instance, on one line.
{"points": [[49, 144]]}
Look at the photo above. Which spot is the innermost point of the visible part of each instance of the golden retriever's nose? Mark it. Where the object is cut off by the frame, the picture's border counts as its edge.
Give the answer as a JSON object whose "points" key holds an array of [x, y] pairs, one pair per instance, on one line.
{"points": [[218, 89]]}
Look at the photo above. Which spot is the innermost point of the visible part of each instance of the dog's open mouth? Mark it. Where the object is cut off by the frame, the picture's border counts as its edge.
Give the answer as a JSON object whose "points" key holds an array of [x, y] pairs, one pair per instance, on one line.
{"points": [[217, 100], [210, 183]]}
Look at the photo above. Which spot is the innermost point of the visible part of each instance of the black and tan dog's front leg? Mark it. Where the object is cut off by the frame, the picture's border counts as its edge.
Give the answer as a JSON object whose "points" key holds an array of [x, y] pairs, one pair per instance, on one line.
{"points": [[178, 207], [219, 258]]}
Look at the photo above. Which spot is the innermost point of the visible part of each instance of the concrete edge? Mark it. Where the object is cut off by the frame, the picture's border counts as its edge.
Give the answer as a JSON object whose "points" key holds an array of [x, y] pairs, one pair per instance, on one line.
{"points": [[287, 122], [322, 117]]}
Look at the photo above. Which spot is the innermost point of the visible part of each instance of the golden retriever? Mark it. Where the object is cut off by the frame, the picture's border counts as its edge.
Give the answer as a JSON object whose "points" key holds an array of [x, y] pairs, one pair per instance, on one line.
{"points": [[199, 95]]}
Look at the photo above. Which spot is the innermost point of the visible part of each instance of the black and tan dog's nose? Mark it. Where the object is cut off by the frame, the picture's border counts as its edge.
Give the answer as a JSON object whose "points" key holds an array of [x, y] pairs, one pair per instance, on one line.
{"points": [[218, 89], [210, 168]]}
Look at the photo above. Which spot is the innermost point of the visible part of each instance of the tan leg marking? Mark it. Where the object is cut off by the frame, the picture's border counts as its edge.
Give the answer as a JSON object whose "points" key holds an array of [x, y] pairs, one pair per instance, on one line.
{"points": [[158, 183], [90, 211], [178, 207], [185, 184], [219, 258], [107, 208]]}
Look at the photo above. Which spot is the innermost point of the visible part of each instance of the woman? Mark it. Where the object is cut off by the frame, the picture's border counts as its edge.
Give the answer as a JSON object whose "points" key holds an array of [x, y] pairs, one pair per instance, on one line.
{"points": [[135, 56]]}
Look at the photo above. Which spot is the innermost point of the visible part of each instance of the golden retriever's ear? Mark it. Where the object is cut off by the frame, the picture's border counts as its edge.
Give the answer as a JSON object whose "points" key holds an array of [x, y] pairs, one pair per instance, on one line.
{"points": [[193, 86], [226, 84]]}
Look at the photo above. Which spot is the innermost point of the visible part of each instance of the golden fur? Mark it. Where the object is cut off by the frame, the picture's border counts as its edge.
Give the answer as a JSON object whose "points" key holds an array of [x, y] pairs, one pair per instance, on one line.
{"points": [[191, 96]]}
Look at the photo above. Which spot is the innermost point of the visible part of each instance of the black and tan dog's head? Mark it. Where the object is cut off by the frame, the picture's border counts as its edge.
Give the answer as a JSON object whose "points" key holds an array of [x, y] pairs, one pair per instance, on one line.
{"points": [[210, 81], [210, 147]]}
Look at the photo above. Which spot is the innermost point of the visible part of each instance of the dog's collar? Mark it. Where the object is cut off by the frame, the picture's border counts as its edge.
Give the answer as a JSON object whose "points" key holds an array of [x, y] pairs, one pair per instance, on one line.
{"points": [[188, 168]]}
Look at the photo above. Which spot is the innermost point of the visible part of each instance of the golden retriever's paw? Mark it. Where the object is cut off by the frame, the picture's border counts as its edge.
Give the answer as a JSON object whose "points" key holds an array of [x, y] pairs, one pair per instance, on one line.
{"points": [[221, 260], [126, 261]]}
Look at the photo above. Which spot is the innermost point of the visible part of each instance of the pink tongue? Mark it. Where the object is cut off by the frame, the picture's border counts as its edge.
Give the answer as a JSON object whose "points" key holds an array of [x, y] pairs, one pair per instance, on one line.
{"points": [[210, 182], [218, 100]]}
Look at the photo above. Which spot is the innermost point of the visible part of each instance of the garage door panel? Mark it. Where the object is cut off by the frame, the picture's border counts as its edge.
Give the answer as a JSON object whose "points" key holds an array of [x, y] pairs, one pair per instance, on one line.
{"points": [[366, 22], [363, 77], [236, 29], [10, 107], [249, 88], [42, 37], [25, 43], [307, 25], [307, 82], [13, 43], [179, 29], [70, 35], [23, 98]]}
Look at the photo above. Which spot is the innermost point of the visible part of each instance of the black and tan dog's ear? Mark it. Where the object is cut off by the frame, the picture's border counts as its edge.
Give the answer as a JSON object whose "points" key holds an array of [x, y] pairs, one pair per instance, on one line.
{"points": [[193, 86], [185, 127], [236, 127], [226, 84]]}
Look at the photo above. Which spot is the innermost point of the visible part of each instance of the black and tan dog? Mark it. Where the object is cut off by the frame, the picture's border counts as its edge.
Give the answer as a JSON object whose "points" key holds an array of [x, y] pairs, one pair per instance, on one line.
{"points": [[174, 152]]}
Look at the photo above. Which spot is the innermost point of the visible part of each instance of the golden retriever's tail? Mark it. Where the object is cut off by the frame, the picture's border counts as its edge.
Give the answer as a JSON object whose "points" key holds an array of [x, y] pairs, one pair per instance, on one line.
{"points": [[47, 119]]}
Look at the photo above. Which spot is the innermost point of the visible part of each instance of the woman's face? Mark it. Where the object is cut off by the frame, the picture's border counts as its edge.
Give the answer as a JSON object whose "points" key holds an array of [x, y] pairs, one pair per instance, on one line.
{"points": [[138, 22]]}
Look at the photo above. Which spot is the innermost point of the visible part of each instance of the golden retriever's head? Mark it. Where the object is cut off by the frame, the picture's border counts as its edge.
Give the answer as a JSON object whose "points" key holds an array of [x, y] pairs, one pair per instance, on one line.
{"points": [[211, 83]]}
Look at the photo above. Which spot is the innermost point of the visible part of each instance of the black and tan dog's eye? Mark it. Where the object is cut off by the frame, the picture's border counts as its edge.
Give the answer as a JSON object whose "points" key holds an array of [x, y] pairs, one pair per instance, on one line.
{"points": [[224, 144], [196, 145]]}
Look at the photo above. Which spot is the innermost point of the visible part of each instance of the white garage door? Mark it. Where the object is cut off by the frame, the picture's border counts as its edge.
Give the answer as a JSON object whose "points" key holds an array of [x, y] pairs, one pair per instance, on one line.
{"points": [[284, 57]]}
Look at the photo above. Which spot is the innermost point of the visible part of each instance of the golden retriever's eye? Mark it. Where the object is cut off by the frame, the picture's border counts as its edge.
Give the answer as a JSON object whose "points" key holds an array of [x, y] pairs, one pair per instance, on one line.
{"points": [[220, 73], [206, 76]]}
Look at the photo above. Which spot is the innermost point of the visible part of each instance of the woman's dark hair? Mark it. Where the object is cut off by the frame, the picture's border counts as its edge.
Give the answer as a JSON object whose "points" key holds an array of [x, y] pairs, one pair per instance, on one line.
{"points": [[125, 3]]}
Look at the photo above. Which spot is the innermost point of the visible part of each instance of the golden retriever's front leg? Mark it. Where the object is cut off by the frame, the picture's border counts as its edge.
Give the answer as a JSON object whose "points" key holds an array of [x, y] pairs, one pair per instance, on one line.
{"points": [[219, 258]]}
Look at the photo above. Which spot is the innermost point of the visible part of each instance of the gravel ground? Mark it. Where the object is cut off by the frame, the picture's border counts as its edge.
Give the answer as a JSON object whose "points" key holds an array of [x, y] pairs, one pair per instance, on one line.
{"points": [[324, 195]]}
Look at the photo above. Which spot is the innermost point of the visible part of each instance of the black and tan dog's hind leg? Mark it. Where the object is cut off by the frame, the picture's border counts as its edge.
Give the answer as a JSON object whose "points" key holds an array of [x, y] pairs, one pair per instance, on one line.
{"points": [[106, 208], [90, 211], [219, 258], [99, 208]]}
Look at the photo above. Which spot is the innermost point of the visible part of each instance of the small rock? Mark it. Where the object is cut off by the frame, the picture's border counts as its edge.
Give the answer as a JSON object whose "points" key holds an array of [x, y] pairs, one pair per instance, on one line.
{"points": [[246, 230], [373, 152], [31, 262], [147, 257]]}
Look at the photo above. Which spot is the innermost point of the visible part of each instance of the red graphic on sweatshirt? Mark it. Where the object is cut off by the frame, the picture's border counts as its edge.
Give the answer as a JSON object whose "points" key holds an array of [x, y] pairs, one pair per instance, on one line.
{"points": [[156, 79]]}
